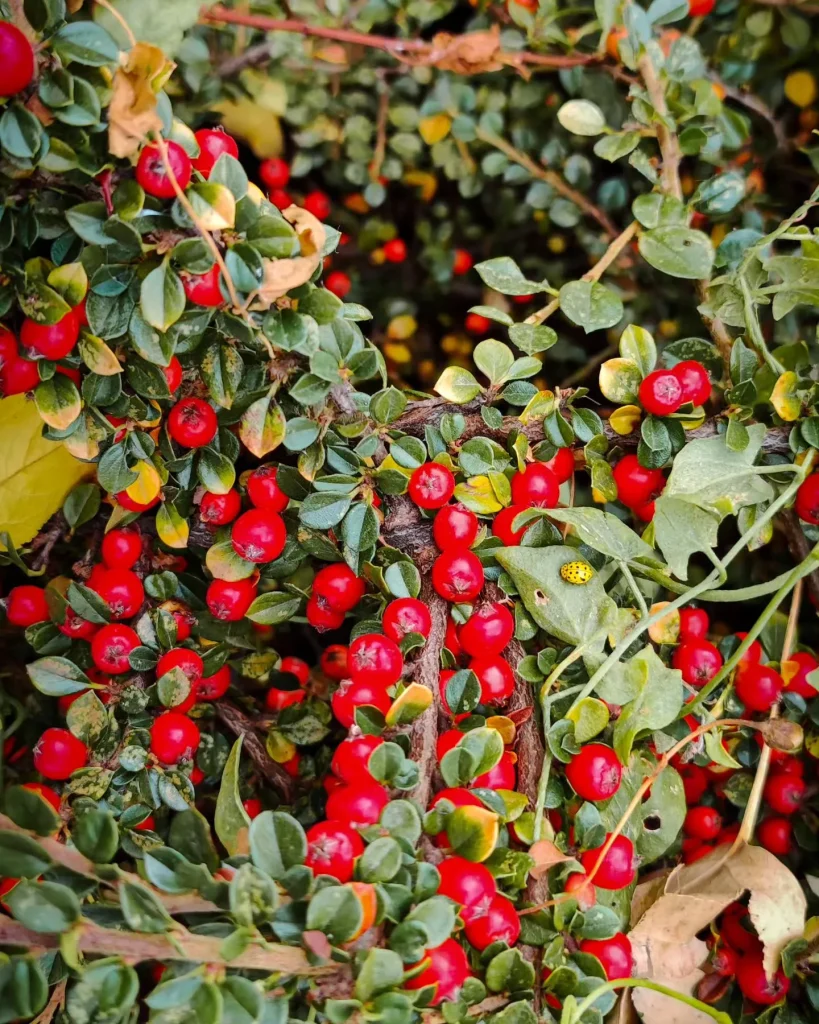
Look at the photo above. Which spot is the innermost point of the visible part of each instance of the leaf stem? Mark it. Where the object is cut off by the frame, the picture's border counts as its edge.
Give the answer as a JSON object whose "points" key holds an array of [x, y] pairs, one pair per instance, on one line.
{"points": [[611, 986], [638, 594]]}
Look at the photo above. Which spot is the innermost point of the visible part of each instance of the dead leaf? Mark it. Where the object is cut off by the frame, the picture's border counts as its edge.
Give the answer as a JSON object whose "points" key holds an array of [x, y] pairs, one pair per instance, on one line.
{"points": [[468, 54], [654, 1007], [545, 856], [281, 276], [318, 944], [132, 115]]}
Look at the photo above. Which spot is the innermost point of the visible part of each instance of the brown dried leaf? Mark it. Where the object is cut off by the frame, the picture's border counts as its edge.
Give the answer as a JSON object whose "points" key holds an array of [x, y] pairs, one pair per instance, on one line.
{"points": [[468, 54], [654, 1006], [281, 276], [132, 115], [545, 855]]}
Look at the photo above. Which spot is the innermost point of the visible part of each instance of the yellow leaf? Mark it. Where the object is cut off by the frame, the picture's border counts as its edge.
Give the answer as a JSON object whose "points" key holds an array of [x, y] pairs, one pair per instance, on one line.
{"points": [[147, 484], [667, 630], [784, 397], [412, 703], [478, 495], [402, 327], [255, 118], [538, 408], [473, 832], [282, 275], [97, 356], [171, 528], [280, 749], [35, 474], [434, 128], [132, 114], [800, 88], [625, 419], [505, 726], [423, 180]]}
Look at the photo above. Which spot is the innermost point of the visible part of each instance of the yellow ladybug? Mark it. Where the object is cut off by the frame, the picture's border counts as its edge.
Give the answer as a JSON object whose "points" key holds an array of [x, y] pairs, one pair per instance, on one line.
{"points": [[577, 573]]}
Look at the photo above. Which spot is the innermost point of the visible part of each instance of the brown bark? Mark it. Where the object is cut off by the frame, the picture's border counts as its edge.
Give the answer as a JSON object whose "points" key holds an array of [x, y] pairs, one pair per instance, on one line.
{"points": [[240, 725]]}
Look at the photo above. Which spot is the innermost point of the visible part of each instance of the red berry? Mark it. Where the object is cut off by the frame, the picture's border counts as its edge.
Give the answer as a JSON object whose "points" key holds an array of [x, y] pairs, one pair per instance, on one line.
{"points": [[502, 525], [561, 464], [321, 616], [753, 656], [16, 59], [695, 782], [185, 659], [431, 485], [220, 509], [338, 283], [203, 289], [775, 835], [458, 798], [751, 976], [229, 600], [359, 804], [26, 605], [122, 591], [174, 737], [54, 341], [477, 324], [253, 807], [454, 526], [582, 890], [693, 378], [699, 8], [50, 796], [595, 772], [264, 491], [395, 251], [173, 374], [9, 350], [127, 502], [318, 203], [447, 971], [488, 630], [58, 753], [458, 575], [19, 376], [274, 172], [352, 756], [375, 659], [259, 535], [462, 262], [277, 700], [76, 627], [737, 930], [614, 954], [192, 422], [350, 696], [121, 548], [759, 687], [296, 667], [795, 672], [111, 646], [339, 587], [215, 686], [636, 485], [332, 848], [334, 662], [151, 173], [807, 500], [406, 615], [213, 142], [536, 485], [784, 792], [618, 867], [724, 961], [502, 776], [469, 885], [693, 624], [280, 199], [496, 678], [661, 393], [698, 661], [702, 823], [499, 924]]}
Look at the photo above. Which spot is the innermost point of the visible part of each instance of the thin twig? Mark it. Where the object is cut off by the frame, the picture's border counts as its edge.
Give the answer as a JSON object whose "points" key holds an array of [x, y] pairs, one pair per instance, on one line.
{"points": [[380, 130], [117, 16], [669, 144]]}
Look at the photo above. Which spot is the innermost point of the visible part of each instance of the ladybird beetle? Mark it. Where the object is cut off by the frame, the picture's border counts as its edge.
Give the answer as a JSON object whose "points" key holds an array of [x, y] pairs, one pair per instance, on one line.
{"points": [[576, 572]]}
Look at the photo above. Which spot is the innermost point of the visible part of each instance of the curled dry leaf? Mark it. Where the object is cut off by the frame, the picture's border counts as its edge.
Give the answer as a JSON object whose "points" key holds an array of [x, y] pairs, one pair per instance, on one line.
{"points": [[469, 54], [654, 1006], [132, 115], [281, 276], [545, 855]]}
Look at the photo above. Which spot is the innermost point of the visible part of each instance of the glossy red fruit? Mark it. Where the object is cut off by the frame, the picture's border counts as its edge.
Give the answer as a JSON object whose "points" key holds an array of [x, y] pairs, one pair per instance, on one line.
{"points": [[19, 376], [277, 700], [595, 772], [253, 807], [500, 923], [76, 627], [229, 600], [469, 885], [121, 548], [295, 667], [807, 500], [16, 59], [776, 835], [462, 262], [618, 868], [334, 662], [220, 509], [694, 380], [352, 756], [636, 485], [9, 349], [447, 971], [127, 502], [756, 985], [274, 172], [496, 678], [213, 142], [350, 696], [215, 686], [698, 661], [152, 175], [317, 203], [795, 672], [431, 485], [54, 341], [264, 491], [784, 792], [203, 289], [259, 535], [699, 8], [458, 798], [582, 890], [693, 624], [502, 776], [502, 525], [406, 615], [359, 804], [192, 422], [562, 464], [458, 575], [661, 393], [174, 737], [703, 823], [182, 658], [395, 251], [339, 586], [759, 687], [122, 591], [614, 954], [724, 961], [332, 849], [454, 526], [488, 630], [46, 792], [695, 782], [26, 605], [536, 486], [58, 753], [737, 930], [477, 324], [279, 198], [338, 283], [321, 616], [110, 648], [173, 374], [375, 659]]}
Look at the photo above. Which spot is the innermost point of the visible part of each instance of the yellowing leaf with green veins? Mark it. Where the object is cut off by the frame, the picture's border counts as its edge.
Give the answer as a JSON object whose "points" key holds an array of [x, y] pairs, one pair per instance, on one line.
{"points": [[479, 496], [434, 128], [97, 356], [412, 703], [280, 749], [224, 564], [36, 475], [457, 385], [620, 380], [58, 401], [171, 528], [590, 717], [473, 832], [538, 408], [262, 426], [784, 397], [625, 419], [84, 441], [214, 205], [147, 484], [71, 281]]}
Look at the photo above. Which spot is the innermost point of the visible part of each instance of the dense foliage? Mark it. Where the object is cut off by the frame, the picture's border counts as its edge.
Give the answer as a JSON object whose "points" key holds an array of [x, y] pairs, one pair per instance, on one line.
{"points": [[328, 699]]}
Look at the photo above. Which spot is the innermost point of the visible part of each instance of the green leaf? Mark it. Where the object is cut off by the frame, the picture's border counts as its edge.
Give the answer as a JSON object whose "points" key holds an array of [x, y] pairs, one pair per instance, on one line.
{"points": [[231, 820], [335, 911], [590, 305], [403, 579], [21, 856], [162, 297], [582, 117], [637, 345], [222, 367], [681, 529], [532, 338], [86, 43], [142, 910], [494, 360], [21, 134], [604, 532], [457, 385], [57, 677], [273, 608], [381, 971], [277, 843], [96, 835], [44, 906], [506, 277], [678, 251]]}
